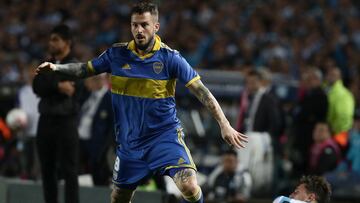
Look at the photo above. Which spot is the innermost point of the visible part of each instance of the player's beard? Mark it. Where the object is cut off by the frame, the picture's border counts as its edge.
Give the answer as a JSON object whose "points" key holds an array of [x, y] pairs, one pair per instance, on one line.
{"points": [[146, 46]]}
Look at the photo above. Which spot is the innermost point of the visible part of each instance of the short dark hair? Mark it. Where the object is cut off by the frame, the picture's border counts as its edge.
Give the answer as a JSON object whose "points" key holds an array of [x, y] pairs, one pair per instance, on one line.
{"points": [[63, 31], [145, 6], [319, 186]]}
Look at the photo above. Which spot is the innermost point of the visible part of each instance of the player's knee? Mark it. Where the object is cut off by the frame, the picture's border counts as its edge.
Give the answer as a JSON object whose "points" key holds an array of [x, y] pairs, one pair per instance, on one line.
{"points": [[186, 182], [119, 195], [189, 188], [192, 193]]}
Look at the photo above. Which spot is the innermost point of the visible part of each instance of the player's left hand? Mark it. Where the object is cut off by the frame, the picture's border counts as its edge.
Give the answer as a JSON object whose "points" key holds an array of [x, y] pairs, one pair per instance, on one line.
{"points": [[45, 67], [233, 137]]}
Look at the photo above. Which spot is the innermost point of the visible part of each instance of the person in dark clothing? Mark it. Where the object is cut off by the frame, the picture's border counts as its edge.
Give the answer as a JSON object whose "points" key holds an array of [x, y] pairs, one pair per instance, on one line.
{"points": [[260, 118], [57, 137], [96, 130], [270, 89], [312, 108], [231, 182], [259, 110]]}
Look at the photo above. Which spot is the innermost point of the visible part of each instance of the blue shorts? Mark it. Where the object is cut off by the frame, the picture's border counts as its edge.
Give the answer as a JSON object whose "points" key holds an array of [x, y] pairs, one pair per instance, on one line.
{"points": [[164, 158]]}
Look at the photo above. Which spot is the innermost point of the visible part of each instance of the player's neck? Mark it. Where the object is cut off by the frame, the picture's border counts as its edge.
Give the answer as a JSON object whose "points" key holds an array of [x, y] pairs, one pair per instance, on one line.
{"points": [[62, 55], [148, 49]]}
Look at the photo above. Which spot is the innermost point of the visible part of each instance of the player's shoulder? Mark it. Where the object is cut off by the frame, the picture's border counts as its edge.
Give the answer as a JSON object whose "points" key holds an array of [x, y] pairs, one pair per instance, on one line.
{"points": [[170, 53], [164, 47], [120, 44], [117, 48]]}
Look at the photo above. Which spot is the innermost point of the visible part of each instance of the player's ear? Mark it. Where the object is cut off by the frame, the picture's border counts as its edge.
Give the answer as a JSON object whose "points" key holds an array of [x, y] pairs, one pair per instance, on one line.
{"points": [[157, 27], [312, 197]]}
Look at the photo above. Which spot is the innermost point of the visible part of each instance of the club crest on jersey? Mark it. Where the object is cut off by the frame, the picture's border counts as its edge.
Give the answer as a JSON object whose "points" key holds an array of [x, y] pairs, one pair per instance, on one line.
{"points": [[157, 67]]}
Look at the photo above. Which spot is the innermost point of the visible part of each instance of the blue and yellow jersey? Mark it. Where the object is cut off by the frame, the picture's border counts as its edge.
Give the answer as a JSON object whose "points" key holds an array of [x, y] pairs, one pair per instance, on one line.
{"points": [[143, 91]]}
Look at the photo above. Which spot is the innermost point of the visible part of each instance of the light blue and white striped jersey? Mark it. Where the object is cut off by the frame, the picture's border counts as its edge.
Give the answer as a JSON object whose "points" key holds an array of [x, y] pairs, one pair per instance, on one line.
{"points": [[283, 199]]}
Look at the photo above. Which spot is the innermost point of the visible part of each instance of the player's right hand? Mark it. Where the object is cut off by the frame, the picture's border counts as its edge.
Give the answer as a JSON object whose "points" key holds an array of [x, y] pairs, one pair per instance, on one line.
{"points": [[232, 137], [45, 67]]}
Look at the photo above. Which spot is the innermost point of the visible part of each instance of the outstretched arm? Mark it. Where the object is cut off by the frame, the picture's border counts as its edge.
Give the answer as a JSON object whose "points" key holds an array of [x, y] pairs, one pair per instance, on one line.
{"points": [[80, 70], [229, 134]]}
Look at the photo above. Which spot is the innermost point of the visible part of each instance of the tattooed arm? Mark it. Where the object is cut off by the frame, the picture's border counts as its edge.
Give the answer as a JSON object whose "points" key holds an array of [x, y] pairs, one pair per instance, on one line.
{"points": [[79, 70], [231, 136]]}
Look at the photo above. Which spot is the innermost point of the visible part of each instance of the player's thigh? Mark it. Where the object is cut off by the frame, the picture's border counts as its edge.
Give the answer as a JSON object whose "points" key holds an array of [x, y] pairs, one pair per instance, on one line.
{"points": [[170, 152]]}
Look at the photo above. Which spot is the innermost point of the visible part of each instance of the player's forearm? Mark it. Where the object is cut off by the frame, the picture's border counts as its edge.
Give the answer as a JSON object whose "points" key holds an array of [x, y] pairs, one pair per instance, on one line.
{"points": [[75, 69], [208, 100]]}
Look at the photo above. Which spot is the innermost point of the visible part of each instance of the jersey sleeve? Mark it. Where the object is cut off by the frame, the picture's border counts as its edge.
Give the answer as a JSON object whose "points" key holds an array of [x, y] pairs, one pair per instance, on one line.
{"points": [[102, 63], [180, 69]]}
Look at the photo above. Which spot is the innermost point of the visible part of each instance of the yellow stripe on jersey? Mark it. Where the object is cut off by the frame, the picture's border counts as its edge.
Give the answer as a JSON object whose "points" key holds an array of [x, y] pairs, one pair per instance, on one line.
{"points": [[90, 68], [131, 46], [192, 81], [143, 87]]}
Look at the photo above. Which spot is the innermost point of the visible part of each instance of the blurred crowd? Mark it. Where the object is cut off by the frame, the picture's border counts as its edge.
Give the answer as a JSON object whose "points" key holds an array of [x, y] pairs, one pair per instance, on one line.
{"points": [[285, 36], [316, 43]]}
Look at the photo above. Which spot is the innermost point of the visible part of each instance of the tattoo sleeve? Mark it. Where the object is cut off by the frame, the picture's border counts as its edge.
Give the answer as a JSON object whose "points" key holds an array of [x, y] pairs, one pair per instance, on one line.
{"points": [[75, 69], [208, 100]]}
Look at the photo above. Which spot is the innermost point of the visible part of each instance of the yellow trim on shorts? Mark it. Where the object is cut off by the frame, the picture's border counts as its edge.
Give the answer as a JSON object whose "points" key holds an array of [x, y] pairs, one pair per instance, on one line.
{"points": [[181, 141], [143, 87], [181, 166]]}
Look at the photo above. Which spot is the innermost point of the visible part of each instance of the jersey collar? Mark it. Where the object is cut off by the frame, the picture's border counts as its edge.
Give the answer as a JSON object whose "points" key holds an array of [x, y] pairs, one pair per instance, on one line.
{"points": [[132, 47]]}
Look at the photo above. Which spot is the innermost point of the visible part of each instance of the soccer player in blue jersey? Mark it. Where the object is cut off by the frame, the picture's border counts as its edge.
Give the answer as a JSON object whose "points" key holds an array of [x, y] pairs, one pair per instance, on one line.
{"points": [[148, 133]]}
